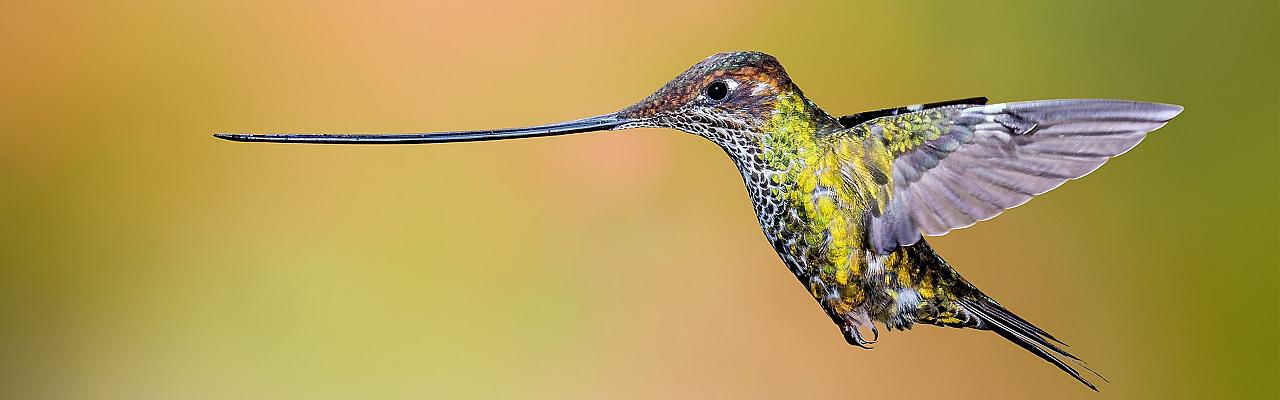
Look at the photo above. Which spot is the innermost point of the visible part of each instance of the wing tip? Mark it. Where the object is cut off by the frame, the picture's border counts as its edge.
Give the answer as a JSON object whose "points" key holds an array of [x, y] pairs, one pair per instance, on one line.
{"points": [[1163, 111]]}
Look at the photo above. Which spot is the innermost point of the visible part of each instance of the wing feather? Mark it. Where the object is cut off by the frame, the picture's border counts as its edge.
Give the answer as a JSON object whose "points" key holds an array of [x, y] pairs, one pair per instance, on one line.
{"points": [[957, 164]]}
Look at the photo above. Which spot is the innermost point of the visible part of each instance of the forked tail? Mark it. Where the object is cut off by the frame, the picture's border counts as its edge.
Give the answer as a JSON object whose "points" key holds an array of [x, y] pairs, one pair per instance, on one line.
{"points": [[992, 316]]}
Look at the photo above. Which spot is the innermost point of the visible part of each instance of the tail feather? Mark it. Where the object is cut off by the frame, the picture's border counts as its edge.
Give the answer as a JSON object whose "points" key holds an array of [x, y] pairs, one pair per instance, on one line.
{"points": [[992, 316]]}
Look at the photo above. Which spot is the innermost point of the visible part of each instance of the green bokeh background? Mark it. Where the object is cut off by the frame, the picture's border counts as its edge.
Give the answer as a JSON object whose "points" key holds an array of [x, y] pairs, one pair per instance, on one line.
{"points": [[142, 259]]}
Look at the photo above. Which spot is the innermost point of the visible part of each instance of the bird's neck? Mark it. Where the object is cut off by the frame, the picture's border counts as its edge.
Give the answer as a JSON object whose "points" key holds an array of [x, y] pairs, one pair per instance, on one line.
{"points": [[782, 163], [789, 136]]}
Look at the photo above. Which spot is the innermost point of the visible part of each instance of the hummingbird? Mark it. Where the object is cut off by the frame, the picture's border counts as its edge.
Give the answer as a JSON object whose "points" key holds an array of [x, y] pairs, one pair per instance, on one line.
{"points": [[845, 201]]}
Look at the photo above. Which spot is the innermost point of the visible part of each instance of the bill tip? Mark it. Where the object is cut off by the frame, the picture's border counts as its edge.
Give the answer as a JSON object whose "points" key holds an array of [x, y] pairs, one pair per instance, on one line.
{"points": [[235, 137]]}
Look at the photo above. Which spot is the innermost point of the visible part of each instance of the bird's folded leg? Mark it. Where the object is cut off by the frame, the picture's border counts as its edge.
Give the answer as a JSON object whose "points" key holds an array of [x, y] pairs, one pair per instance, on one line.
{"points": [[854, 324]]}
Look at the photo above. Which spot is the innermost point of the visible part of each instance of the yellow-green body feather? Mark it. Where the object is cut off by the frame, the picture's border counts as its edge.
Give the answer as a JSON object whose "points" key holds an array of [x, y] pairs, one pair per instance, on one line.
{"points": [[826, 184]]}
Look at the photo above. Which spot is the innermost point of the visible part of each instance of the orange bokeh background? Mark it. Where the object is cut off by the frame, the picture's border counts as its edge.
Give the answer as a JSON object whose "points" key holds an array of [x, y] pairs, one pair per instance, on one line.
{"points": [[142, 258]]}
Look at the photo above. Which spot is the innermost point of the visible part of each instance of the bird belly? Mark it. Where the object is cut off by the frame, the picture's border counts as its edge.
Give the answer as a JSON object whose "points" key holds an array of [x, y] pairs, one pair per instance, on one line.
{"points": [[817, 241], [818, 237]]}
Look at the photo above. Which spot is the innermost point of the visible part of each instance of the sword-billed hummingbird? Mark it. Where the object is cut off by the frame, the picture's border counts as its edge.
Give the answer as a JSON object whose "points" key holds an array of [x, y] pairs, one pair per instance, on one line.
{"points": [[844, 201]]}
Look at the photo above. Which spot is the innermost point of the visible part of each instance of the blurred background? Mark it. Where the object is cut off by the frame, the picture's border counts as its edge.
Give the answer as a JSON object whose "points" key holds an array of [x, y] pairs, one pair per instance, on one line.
{"points": [[143, 259]]}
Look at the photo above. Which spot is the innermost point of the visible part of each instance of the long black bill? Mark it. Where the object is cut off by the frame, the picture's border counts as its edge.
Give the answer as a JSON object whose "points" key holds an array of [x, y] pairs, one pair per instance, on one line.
{"points": [[597, 123]]}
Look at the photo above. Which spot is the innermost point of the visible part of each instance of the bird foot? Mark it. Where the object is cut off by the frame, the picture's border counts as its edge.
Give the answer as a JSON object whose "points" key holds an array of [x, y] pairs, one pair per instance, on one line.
{"points": [[855, 326]]}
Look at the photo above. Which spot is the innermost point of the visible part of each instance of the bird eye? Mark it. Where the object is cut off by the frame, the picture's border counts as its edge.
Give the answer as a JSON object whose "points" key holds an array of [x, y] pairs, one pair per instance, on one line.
{"points": [[717, 90]]}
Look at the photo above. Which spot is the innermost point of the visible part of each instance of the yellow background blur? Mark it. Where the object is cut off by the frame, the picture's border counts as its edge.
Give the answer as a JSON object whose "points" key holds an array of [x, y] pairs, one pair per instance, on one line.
{"points": [[143, 259]]}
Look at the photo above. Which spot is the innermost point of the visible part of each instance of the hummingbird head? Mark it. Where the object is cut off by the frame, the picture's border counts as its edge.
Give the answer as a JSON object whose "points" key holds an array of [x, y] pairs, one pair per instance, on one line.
{"points": [[722, 98], [730, 98], [733, 99]]}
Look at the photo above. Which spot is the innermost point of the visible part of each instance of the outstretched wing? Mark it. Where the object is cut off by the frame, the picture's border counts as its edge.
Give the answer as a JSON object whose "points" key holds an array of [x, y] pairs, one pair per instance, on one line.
{"points": [[955, 165]]}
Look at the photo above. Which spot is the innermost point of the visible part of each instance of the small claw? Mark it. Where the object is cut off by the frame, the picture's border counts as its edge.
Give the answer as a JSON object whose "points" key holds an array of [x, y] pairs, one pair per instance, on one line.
{"points": [[854, 337], [852, 330]]}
